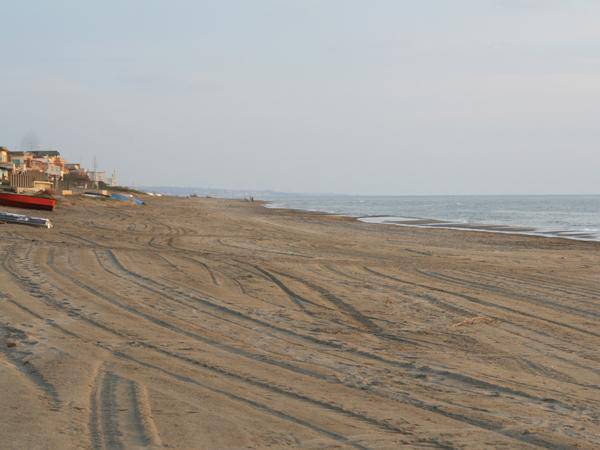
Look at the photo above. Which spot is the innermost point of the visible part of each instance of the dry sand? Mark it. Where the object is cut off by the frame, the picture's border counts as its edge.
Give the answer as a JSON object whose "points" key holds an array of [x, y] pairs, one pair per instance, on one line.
{"points": [[199, 323]]}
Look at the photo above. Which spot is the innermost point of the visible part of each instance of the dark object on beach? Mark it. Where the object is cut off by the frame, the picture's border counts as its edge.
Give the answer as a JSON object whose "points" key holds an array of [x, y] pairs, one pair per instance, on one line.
{"points": [[25, 220], [96, 194], [127, 198], [44, 202]]}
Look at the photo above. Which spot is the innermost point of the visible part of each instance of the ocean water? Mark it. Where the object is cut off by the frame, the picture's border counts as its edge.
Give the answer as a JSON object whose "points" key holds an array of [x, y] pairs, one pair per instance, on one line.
{"points": [[569, 216]]}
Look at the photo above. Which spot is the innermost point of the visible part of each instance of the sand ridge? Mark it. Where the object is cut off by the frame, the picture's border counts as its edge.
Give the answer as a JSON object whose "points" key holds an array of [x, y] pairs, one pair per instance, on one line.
{"points": [[205, 323]]}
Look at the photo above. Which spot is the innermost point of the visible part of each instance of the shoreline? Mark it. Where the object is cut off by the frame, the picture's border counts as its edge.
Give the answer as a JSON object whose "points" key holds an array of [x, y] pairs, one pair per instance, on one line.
{"points": [[427, 223], [485, 228]]}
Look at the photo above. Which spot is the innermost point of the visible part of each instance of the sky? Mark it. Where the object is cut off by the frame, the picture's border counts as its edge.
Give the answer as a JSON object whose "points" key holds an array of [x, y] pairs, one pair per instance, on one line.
{"points": [[339, 96]]}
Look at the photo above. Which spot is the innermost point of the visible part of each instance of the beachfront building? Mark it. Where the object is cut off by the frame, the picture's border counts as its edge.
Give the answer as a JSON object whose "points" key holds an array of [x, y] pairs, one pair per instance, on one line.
{"points": [[97, 177], [55, 166], [39, 164], [112, 181], [6, 169], [31, 170], [35, 160], [21, 160], [45, 169], [77, 180], [44, 153], [46, 161], [4, 155]]}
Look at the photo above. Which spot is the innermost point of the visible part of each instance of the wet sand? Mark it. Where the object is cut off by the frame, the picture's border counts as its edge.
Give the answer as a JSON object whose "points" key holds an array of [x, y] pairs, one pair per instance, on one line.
{"points": [[202, 323]]}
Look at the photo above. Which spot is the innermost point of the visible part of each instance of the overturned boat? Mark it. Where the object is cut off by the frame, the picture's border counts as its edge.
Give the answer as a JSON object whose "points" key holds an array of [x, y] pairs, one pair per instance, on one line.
{"points": [[25, 220], [43, 202], [127, 198], [97, 194]]}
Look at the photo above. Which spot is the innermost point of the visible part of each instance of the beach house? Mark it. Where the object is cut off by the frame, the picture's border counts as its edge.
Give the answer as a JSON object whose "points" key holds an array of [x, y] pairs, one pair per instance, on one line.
{"points": [[6, 167], [34, 170], [44, 153], [21, 160], [4, 155]]}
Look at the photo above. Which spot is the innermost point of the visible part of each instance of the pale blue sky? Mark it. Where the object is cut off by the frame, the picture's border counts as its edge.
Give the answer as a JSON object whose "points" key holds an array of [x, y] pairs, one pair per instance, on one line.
{"points": [[374, 97]]}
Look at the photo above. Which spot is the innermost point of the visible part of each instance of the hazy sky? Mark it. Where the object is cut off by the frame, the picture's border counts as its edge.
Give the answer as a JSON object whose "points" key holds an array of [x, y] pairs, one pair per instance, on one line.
{"points": [[371, 96]]}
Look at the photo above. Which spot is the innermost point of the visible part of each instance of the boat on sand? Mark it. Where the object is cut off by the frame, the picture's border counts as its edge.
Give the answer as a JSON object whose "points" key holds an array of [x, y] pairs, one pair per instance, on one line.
{"points": [[37, 201], [25, 220]]}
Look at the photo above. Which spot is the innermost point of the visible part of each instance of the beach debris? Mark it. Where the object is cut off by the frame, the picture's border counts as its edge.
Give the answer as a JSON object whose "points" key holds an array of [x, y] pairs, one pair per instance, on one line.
{"points": [[25, 220]]}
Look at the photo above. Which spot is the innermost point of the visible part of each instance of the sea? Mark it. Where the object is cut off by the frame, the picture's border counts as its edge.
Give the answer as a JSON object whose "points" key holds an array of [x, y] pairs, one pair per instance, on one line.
{"points": [[566, 216]]}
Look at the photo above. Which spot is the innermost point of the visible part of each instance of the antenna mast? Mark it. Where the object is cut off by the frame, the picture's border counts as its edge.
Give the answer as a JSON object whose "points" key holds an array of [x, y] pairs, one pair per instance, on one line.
{"points": [[94, 169]]}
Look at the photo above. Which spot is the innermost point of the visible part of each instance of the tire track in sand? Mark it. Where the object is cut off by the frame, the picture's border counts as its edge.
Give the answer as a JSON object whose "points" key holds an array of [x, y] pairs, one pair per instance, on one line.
{"points": [[435, 409], [478, 301], [120, 418], [457, 377]]}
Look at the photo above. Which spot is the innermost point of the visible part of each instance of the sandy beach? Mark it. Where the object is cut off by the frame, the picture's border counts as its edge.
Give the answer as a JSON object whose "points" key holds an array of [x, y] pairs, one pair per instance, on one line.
{"points": [[219, 324]]}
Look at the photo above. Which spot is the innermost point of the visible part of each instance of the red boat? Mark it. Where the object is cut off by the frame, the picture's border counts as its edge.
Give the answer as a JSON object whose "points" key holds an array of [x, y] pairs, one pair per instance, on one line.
{"points": [[27, 201]]}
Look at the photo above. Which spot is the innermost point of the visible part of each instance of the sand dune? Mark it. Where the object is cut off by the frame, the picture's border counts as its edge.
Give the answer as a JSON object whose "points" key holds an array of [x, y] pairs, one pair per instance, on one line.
{"points": [[213, 324]]}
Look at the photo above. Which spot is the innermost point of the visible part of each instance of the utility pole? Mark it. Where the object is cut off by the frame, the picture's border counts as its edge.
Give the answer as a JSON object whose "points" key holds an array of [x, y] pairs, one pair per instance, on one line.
{"points": [[94, 168]]}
